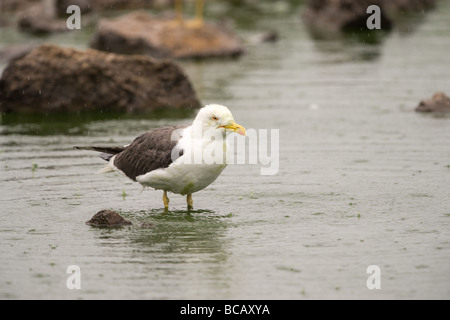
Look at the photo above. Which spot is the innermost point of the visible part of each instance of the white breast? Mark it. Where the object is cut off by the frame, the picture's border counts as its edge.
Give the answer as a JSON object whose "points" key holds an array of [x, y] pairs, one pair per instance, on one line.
{"points": [[202, 162]]}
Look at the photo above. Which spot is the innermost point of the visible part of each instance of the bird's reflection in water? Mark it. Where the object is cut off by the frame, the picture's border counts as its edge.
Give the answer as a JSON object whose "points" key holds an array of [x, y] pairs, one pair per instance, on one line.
{"points": [[174, 254], [180, 235]]}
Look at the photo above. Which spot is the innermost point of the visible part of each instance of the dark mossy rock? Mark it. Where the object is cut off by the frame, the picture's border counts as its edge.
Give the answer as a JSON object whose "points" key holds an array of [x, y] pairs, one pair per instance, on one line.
{"points": [[438, 103], [141, 33], [334, 16], [53, 79], [107, 218]]}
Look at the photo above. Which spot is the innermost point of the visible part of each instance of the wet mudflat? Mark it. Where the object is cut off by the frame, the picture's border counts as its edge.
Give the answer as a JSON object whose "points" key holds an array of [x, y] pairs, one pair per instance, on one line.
{"points": [[363, 180]]}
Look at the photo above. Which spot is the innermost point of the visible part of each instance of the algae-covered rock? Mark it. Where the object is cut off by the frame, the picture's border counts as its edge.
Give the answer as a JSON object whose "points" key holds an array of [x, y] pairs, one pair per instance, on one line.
{"points": [[107, 218], [51, 78]]}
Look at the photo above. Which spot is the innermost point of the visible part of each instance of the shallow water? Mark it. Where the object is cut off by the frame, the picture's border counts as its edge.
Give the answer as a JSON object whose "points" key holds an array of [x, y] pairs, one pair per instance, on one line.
{"points": [[363, 180]]}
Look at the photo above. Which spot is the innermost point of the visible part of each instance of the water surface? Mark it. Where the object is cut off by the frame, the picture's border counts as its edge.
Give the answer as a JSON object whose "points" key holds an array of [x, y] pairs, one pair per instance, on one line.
{"points": [[363, 180]]}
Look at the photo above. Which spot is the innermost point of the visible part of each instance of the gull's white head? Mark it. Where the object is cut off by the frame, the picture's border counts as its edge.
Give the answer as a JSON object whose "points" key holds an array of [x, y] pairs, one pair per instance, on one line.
{"points": [[215, 116]]}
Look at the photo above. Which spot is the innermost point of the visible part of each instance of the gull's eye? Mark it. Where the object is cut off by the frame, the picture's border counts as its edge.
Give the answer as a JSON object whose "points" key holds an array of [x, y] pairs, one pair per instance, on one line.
{"points": [[214, 118]]}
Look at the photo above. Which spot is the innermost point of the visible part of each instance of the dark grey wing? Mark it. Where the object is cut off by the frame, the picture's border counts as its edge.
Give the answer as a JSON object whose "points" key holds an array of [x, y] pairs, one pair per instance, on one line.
{"points": [[150, 151], [108, 150]]}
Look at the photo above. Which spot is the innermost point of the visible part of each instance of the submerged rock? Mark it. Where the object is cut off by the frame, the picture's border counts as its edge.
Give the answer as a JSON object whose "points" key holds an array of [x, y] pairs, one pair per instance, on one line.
{"points": [[334, 16], [438, 103], [140, 33], [147, 225], [56, 79], [107, 218]]}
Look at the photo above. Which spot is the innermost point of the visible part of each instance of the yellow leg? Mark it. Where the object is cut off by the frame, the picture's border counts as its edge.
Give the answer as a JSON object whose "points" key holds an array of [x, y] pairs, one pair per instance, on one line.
{"points": [[166, 201], [190, 202]]}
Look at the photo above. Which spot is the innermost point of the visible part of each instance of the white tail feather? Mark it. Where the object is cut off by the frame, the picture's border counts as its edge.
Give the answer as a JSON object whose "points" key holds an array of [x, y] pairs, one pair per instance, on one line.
{"points": [[106, 169]]}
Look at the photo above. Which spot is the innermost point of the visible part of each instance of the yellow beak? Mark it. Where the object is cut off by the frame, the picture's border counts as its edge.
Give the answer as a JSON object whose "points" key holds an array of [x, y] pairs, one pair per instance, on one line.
{"points": [[235, 128]]}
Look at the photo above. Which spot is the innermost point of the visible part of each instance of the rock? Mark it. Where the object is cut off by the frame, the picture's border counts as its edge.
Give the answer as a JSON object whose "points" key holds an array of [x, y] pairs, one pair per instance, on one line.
{"points": [[40, 18], [333, 16], [147, 225], [140, 33], [267, 36], [50, 16], [438, 103], [107, 218], [56, 79]]}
